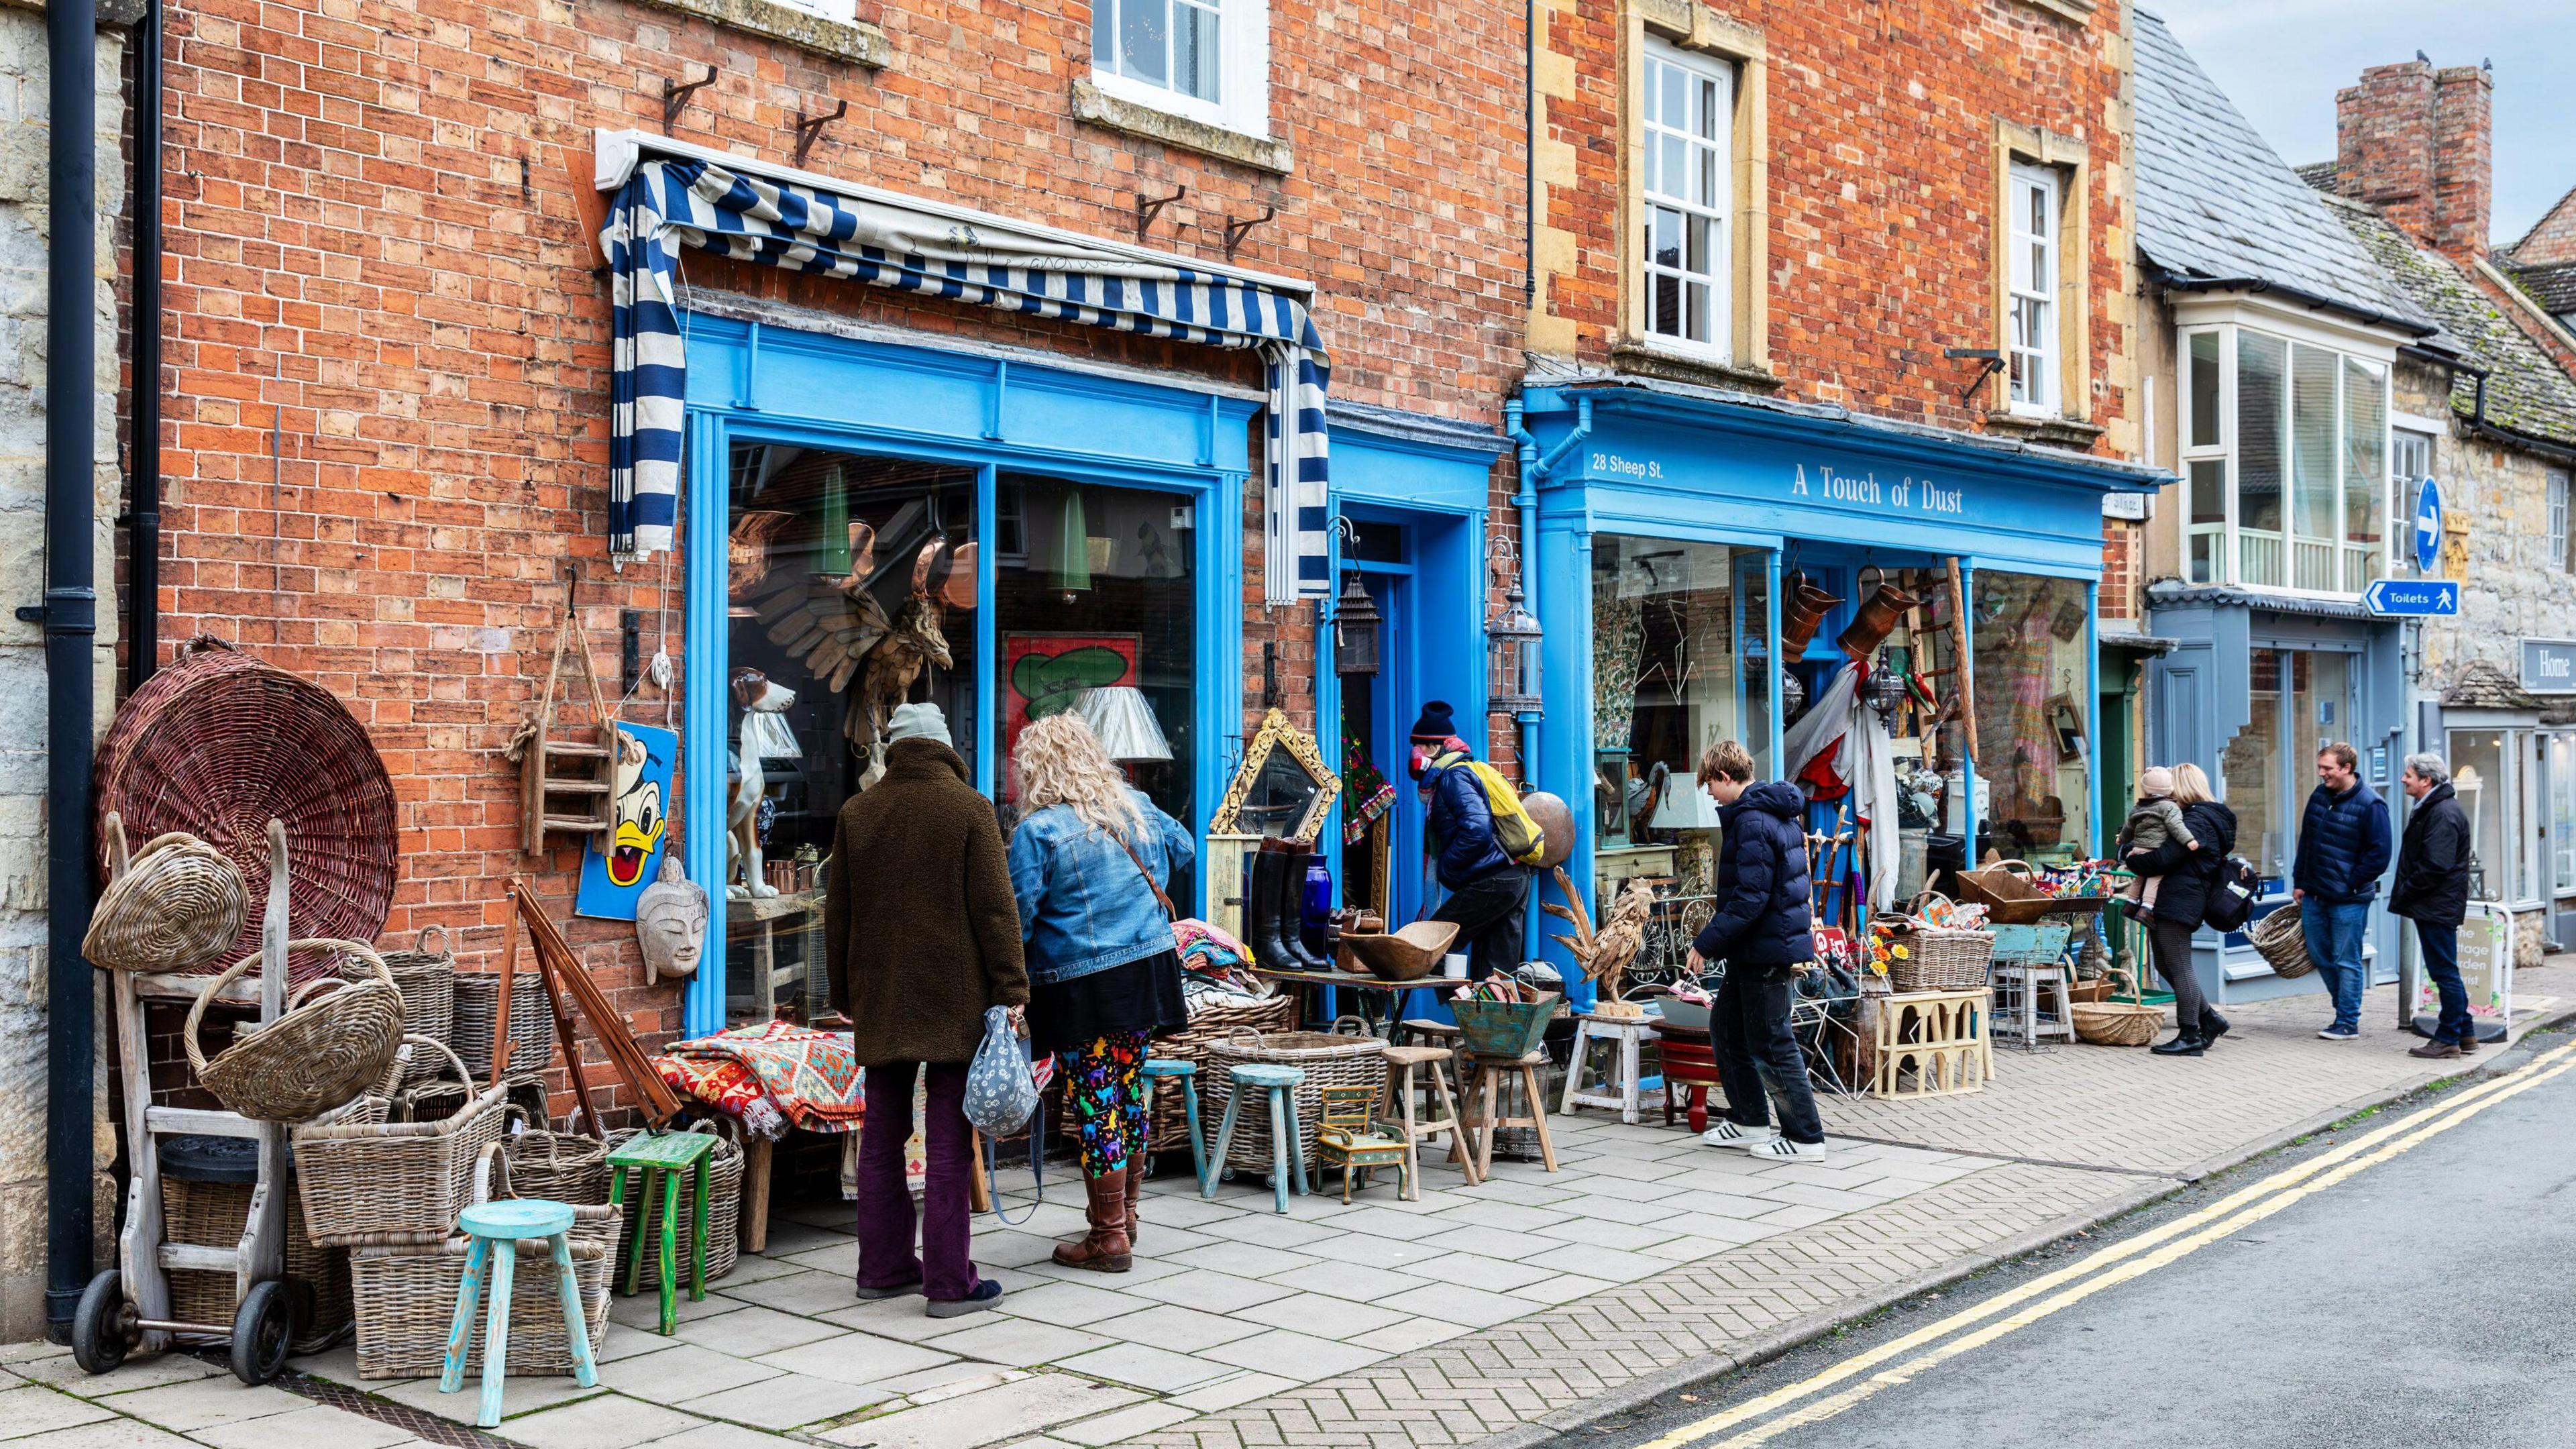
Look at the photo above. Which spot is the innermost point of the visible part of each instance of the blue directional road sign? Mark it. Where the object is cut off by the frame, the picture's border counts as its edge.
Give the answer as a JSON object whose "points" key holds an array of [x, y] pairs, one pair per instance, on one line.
{"points": [[2412, 597], [2428, 525]]}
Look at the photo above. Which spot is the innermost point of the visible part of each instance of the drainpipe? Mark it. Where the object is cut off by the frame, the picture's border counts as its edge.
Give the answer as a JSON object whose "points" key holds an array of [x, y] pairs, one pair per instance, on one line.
{"points": [[1533, 468], [143, 539], [70, 618]]}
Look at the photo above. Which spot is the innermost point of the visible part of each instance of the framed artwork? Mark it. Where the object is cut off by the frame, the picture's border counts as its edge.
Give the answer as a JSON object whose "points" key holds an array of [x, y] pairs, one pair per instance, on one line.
{"points": [[612, 879], [1043, 673]]}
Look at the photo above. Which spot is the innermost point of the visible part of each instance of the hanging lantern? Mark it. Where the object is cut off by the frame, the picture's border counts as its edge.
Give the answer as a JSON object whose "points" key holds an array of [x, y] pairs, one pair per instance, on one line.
{"points": [[1883, 691], [1355, 625], [1511, 643]]}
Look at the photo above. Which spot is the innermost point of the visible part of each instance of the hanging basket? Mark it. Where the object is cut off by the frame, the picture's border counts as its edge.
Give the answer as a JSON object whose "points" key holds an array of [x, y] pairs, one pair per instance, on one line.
{"points": [[218, 744], [427, 980], [2283, 942], [329, 1048], [179, 905]]}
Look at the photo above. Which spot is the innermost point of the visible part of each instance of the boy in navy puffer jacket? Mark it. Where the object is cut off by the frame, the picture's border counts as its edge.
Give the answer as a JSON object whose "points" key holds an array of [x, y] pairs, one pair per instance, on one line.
{"points": [[1762, 931]]}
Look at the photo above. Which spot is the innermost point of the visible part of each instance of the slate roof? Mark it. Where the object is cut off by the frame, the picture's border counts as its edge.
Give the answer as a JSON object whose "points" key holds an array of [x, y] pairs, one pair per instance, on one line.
{"points": [[2552, 286], [2480, 685], [2526, 390], [2217, 204]]}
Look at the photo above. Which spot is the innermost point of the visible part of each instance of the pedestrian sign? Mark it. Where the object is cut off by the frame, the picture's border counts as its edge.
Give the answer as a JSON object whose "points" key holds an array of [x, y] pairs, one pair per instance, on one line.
{"points": [[2428, 525], [2412, 597]]}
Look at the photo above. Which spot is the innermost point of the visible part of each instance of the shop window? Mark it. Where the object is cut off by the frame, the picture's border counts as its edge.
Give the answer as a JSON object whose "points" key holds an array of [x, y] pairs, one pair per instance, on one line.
{"points": [[1100, 615], [1684, 154], [2410, 462], [2285, 444], [2320, 709], [2251, 773], [1206, 60], [2483, 777], [2033, 677], [2031, 308], [2562, 812], [1681, 660], [822, 601]]}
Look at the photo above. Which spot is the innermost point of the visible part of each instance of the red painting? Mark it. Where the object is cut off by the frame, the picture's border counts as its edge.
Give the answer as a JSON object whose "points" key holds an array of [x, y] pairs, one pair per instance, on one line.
{"points": [[1044, 673]]}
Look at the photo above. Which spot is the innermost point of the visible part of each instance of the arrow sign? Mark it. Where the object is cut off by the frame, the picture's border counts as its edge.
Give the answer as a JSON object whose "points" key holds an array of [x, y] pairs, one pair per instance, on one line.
{"points": [[2428, 525], [2415, 598]]}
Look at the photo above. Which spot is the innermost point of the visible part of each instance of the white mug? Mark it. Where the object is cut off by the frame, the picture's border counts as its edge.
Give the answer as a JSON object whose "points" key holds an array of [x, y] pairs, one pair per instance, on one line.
{"points": [[1454, 966]]}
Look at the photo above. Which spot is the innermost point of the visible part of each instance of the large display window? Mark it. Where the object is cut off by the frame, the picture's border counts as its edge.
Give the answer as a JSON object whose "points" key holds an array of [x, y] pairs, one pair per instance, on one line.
{"points": [[2033, 679]]}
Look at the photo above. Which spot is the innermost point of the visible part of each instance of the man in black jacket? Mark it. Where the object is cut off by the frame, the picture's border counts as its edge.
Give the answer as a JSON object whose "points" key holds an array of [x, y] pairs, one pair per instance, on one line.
{"points": [[2432, 889], [1488, 890], [1761, 931]]}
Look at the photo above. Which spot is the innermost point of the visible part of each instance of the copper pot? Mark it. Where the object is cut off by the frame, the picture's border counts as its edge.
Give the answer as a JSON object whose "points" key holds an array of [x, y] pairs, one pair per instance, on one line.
{"points": [[1800, 616], [1875, 621]]}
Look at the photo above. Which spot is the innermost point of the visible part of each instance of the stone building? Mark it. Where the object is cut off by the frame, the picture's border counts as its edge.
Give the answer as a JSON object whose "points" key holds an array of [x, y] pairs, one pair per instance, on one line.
{"points": [[25, 127]]}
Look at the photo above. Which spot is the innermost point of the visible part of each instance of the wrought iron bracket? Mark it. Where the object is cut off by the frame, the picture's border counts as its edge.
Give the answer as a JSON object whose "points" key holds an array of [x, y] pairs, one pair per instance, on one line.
{"points": [[810, 128]]}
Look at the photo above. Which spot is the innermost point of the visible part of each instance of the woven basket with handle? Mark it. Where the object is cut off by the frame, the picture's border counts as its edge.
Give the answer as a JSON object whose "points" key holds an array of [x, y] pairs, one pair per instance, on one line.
{"points": [[478, 1008], [218, 741], [363, 1180], [426, 977], [178, 905], [321, 1054], [559, 1166], [2284, 942], [1940, 958], [1347, 1056], [2117, 1023]]}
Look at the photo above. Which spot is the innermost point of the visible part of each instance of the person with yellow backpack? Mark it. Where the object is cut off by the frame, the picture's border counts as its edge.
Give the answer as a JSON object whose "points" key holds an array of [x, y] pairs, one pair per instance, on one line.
{"points": [[1482, 841]]}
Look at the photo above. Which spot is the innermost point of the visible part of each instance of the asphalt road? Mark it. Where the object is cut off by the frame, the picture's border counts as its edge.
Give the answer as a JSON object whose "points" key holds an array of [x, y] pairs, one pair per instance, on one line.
{"points": [[2426, 1301]]}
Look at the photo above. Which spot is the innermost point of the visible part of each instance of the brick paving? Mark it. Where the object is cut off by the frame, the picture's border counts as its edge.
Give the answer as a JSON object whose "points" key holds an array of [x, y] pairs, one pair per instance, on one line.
{"points": [[1385, 1324]]}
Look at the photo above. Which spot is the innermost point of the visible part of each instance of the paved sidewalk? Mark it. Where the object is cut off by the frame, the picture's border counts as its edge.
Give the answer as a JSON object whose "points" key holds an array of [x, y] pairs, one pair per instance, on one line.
{"points": [[1472, 1313]]}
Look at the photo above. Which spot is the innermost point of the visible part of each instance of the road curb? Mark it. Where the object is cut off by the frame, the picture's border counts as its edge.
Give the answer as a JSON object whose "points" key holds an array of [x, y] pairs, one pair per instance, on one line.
{"points": [[1690, 1373]]}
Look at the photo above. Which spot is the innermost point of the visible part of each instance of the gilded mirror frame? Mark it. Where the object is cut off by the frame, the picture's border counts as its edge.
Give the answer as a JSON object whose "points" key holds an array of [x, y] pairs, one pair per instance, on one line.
{"points": [[1277, 731]]}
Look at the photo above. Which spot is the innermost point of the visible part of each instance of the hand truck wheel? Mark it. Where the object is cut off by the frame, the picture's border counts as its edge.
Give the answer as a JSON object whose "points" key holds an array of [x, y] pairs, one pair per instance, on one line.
{"points": [[103, 1330], [263, 1333]]}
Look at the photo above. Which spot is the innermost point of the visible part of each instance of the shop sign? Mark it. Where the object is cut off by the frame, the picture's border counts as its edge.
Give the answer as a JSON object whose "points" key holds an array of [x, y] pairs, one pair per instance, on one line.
{"points": [[1867, 490], [2549, 666], [2486, 969]]}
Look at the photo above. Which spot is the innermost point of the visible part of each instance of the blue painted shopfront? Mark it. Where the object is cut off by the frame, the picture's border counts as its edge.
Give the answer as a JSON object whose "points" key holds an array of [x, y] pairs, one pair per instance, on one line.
{"points": [[984, 418], [1783, 487]]}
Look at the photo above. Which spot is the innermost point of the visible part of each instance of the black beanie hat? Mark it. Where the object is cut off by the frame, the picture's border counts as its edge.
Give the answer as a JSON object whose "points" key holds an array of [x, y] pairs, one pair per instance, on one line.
{"points": [[1437, 723]]}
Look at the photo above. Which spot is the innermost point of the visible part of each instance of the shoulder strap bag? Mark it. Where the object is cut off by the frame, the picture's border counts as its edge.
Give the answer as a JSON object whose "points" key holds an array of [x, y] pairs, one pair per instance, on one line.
{"points": [[1156, 886]]}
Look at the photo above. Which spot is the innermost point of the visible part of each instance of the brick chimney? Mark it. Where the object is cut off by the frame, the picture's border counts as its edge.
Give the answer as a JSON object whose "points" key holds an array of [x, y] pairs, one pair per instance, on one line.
{"points": [[2418, 143]]}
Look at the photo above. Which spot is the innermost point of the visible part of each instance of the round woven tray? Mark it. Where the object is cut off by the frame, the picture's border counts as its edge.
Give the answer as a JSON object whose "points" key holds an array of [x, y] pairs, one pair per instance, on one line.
{"points": [[217, 744], [1329, 1059], [2283, 942], [2117, 1023]]}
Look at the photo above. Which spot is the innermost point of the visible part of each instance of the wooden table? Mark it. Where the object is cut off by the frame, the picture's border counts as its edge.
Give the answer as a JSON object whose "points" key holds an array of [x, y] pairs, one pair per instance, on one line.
{"points": [[1392, 991]]}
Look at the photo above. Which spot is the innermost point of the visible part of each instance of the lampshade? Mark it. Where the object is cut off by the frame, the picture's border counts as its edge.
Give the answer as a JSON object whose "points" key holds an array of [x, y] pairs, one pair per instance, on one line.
{"points": [[1125, 723], [1686, 805]]}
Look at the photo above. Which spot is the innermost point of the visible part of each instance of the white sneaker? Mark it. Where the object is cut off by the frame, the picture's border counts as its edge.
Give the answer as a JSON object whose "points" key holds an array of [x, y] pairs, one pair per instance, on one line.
{"points": [[1727, 1134], [2336, 1033], [1781, 1149]]}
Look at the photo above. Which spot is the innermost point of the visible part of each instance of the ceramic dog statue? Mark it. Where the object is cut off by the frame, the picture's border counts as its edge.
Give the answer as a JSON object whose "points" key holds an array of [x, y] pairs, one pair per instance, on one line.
{"points": [[764, 733]]}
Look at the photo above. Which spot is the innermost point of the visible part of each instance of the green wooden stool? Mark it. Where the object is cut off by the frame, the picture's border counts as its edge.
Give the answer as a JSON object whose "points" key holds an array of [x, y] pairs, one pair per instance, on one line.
{"points": [[493, 1231], [670, 1154]]}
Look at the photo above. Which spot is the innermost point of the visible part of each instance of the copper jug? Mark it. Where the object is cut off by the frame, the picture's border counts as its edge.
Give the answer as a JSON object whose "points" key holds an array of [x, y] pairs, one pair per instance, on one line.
{"points": [[1875, 621], [1801, 614]]}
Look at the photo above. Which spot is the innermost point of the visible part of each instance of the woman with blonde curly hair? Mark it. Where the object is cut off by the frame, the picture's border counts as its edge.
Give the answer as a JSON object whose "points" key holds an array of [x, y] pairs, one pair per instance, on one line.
{"points": [[1088, 864]]}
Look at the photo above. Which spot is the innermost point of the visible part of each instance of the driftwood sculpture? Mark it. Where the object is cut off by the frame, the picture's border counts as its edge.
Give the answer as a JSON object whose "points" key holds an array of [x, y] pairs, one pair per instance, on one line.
{"points": [[1604, 955]]}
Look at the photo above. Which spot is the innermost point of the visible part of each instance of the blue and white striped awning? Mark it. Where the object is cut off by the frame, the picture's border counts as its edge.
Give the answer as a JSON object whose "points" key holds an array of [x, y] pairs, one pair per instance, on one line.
{"points": [[667, 203]]}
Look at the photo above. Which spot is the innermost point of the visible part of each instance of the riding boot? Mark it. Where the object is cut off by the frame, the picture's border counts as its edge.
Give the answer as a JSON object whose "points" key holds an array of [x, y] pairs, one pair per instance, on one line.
{"points": [[1104, 1249], [1261, 922], [1136, 1182], [1292, 910]]}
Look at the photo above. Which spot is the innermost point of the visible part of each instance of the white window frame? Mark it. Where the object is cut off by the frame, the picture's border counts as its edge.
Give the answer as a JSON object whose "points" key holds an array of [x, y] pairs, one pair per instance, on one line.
{"points": [[2231, 557], [2557, 486], [1718, 213], [2033, 389], [1242, 103], [2401, 491]]}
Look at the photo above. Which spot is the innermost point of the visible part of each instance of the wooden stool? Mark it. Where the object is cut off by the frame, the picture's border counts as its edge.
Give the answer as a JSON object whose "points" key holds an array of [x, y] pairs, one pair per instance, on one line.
{"points": [[1489, 1074], [1287, 1136], [1187, 1074], [494, 1230], [1626, 1035], [670, 1154], [1401, 1087], [1346, 1137], [1422, 1031]]}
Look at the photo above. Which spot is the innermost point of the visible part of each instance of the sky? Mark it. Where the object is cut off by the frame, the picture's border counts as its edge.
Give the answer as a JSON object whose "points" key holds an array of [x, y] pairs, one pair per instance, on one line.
{"points": [[2281, 61]]}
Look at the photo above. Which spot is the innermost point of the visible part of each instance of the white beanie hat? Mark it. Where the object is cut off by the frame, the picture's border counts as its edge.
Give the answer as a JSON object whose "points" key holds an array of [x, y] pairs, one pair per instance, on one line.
{"points": [[918, 722]]}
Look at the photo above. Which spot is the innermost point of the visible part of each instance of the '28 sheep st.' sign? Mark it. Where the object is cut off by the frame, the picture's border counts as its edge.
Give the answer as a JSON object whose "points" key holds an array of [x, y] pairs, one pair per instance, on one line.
{"points": [[2549, 666]]}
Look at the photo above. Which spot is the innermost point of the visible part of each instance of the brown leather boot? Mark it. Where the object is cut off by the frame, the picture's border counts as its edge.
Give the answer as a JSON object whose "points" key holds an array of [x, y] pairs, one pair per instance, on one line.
{"points": [[1135, 1193], [1103, 1249]]}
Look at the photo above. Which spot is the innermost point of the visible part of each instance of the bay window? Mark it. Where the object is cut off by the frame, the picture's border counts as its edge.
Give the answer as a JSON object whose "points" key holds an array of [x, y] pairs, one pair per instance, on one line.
{"points": [[2285, 449]]}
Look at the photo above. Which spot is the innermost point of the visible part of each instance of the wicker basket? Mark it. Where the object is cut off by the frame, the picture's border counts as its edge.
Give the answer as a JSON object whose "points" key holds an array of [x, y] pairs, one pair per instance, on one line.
{"points": [[2283, 942], [1168, 1128], [405, 1299], [724, 1212], [1939, 958], [213, 1214], [559, 1166], [363, 1181], [427, 981], [2117, 1023], [220, 737], [320, 1055], [178, 906], [1330, 1059], [478, 1005]]}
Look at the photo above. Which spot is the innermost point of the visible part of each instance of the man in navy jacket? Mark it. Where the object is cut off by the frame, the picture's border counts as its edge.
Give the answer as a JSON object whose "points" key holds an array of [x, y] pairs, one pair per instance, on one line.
{"points": [[1760, 929], [2343, 851], [1486, 887]]}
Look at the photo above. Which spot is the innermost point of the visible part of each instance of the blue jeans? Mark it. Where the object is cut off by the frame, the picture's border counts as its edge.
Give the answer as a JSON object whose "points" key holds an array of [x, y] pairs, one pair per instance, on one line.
{"points": [[2334, 929], [2441, 949]]}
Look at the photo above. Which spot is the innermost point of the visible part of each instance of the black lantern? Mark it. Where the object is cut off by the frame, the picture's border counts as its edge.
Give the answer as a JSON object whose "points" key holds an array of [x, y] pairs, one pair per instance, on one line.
{"points": [[1355, 621], [1511, 643]]}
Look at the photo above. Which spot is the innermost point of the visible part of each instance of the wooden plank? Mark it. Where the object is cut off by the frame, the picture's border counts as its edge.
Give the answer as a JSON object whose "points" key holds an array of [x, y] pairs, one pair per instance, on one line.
{"points": [[198, 1122], [200, 1257]]}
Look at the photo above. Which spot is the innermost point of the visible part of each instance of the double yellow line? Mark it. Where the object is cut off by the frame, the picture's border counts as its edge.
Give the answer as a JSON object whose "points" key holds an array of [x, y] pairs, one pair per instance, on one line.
{"points": [[2020, 1307]]}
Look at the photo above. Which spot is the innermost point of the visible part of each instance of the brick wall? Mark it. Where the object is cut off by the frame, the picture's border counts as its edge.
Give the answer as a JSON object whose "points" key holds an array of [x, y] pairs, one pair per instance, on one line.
{"points": [[2418, 143], [387, 422]]}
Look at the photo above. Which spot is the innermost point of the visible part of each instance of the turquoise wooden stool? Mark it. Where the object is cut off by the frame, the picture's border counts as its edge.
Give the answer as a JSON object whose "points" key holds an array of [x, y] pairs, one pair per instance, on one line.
{"points": [[495, 1230], [1187, 1073], [670, 1154], [1286, 1136]]}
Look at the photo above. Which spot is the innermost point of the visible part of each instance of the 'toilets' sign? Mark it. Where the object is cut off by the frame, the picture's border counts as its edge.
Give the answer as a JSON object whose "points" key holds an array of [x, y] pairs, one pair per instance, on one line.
{"points": [[2412, 598]]}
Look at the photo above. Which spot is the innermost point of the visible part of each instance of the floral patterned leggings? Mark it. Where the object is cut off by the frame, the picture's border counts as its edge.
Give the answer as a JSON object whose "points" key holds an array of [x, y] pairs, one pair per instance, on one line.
{"points": [[1104, 1088]]}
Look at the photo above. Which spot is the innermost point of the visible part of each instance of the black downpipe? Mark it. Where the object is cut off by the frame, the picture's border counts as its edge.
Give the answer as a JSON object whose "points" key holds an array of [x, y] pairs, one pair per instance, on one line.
{"points": [[143, 538], [70, 616]]}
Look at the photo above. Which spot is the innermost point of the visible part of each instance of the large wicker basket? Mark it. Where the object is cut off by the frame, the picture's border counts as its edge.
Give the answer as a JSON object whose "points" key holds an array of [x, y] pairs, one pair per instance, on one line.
{"points": [[559, 1166], [2117, 1023], [367, 1181], [2284, 942], [218, 738], [1330, 1059], [318, 1056], [427, 980], [177, 907], [1939, 958], [724, 1212], [214, 1214], [478, 1006]]}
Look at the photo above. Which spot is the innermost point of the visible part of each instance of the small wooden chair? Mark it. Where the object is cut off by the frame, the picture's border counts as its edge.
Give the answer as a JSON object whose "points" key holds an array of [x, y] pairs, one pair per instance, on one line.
{"points": [[1405, 1092], [1345, 1135]]}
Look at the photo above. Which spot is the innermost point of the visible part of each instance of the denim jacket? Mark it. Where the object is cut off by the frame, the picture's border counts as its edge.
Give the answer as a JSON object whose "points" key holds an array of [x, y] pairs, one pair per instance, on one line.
{"points": [[1083, 905]]}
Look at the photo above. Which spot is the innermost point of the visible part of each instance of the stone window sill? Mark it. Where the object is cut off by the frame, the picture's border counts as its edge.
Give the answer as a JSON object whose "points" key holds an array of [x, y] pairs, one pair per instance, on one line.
{"points": [[2055, 432], [856, 42], [2078, 11], [1096, 107], [1649, 360]]}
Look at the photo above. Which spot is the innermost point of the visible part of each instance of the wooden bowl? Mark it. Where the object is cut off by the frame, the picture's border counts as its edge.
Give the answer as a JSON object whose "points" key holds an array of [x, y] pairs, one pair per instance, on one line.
{"points": [[1406, 955]]}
